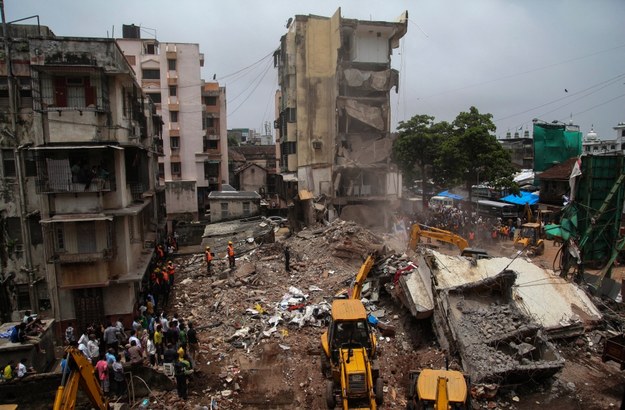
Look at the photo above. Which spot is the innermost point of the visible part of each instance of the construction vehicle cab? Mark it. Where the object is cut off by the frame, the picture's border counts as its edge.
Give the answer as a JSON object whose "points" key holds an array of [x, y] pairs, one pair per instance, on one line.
{"points": [[432, 389], [349, 351], [530, 237]]}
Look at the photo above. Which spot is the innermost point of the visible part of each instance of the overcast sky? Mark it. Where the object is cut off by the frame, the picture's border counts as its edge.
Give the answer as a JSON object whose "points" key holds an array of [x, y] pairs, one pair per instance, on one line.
{"points": [[513, 59]]}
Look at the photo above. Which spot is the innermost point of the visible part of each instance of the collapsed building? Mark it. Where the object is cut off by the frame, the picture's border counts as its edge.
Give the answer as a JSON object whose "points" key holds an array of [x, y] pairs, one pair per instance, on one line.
{"points": [[498, 314], [333, 114]]}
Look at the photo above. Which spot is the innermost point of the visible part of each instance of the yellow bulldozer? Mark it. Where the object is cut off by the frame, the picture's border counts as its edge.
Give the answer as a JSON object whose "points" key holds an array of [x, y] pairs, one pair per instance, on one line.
{"points": [[349, 349]]}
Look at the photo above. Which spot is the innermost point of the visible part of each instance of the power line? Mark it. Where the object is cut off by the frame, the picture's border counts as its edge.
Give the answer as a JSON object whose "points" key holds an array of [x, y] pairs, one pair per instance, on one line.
{"points": [[251, 92], [260, 75], [605, 83], [526, 71], [245, 68]]}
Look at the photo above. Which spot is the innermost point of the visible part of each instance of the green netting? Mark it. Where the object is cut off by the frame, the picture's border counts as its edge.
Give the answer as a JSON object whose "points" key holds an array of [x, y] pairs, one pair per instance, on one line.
{"points": [[599, 175], [554, 144]]}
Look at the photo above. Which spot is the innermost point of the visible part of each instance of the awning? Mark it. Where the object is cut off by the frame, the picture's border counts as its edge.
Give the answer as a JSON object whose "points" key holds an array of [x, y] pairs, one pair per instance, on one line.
{"points": [[75, 147], [77, 218], [289, 177], [524, 198], [450, 195]]}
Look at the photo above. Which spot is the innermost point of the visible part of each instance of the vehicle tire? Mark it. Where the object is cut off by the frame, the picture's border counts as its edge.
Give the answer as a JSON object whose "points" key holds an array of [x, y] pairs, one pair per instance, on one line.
{"points": [[410, 390], [330, 399], [325, 365], [379, 391], [540, 249]]}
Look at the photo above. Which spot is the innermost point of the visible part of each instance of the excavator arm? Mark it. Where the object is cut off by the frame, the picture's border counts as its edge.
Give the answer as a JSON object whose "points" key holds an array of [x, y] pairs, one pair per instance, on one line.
{"points": [[362, 276], [434, 233], [81, 375]]}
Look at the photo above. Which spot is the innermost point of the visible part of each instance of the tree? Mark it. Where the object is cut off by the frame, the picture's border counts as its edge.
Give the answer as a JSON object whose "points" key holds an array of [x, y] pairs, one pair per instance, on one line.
{"points": [[415, 149], [473, 153]]}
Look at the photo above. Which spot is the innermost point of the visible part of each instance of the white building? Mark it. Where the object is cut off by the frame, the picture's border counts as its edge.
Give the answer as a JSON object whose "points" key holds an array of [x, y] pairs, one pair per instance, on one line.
{"points": [[593, 145], [194, 135]]}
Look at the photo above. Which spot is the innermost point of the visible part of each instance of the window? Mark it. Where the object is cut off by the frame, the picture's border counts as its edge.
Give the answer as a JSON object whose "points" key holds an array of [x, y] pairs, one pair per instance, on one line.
{"points": [[171, 64], [87, 234], [173, 91], [161, 170], [23, 296], [151, 48], [175, 168], [151, 74], [246, 208], [14, 229], [173, 116], [132, 60], [36, 234], [72, 91], [60, 239], [8, 163], [209, 122], [174, 142], [210, 101], [30, 165], [211, 144], [224, 210], [155, 97]]}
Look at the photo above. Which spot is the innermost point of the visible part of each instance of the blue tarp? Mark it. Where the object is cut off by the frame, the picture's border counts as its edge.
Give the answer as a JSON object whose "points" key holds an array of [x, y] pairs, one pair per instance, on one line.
{"points": [[450, 195], [524, 198]]}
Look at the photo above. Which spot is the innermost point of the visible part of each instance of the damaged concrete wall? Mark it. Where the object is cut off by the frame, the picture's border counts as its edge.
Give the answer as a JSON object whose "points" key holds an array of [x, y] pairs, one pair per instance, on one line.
{"points": [[181, 197]]}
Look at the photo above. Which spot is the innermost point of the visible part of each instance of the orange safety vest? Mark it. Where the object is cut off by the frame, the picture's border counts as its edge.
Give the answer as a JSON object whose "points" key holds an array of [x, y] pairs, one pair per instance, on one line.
{"points": [[171, 270], [165, 275], [209, 256], [230, 250]]}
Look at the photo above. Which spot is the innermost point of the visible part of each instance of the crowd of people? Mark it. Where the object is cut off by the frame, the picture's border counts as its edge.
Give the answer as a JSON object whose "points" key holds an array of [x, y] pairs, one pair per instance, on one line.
{"points": [[477, 229]]}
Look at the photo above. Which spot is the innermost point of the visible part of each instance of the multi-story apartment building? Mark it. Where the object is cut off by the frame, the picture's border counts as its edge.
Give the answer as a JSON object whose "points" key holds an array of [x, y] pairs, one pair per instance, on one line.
{"points": [[521, 149], [80, 175], [334, 117], [194, 134]]}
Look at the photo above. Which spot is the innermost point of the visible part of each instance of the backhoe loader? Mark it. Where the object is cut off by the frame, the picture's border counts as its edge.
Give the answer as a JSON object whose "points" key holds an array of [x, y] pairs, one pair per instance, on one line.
{"points": [[431, 389], [349, 350], [81, 375], [530, 237], [444, 236]]}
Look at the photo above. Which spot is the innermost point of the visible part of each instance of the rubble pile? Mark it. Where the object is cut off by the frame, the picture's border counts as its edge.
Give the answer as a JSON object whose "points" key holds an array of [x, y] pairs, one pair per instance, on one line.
{"points": [[260, 326]]}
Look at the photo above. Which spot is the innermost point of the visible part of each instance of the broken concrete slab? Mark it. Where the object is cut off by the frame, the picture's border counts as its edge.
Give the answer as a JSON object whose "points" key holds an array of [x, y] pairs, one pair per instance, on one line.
{"points": [[561, 308], [413, 288], [495, 339]]}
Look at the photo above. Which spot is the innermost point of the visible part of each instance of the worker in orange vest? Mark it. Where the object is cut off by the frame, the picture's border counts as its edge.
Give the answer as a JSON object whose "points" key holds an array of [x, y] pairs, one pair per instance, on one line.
{"points": [[171, 270], [209, 259], [231, 254], [165, 284]]}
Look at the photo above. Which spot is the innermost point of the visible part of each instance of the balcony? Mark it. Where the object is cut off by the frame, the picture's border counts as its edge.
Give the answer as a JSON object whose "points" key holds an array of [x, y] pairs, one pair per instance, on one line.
{"points": [[78, 238], [74, 169]]}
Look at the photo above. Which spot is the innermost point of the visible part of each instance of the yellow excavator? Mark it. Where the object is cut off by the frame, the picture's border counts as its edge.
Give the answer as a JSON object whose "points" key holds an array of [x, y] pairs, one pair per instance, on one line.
{"points": [[416, 233], [431, 389], [530, 238], [81, 374], [349, 349]]}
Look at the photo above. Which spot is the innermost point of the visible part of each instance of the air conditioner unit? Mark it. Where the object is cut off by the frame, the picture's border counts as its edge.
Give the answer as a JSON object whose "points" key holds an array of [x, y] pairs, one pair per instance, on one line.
{"points": [[316, 144]]}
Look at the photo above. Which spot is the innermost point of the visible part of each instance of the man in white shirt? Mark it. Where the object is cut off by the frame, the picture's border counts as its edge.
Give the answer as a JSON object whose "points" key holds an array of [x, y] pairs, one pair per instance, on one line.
{"points": [[84, 350], [93, 346], [133, 336], [21, 369]]}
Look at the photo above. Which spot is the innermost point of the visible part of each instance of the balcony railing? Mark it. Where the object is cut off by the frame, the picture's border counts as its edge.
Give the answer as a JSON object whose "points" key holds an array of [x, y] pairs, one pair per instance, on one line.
{"points": [[63, 257], [62, 183]]}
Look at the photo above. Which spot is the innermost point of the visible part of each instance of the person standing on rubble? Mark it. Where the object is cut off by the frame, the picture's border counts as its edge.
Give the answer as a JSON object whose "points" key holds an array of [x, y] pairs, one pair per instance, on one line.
{"points": [[287, 259], [208, 257], [230, 254]]}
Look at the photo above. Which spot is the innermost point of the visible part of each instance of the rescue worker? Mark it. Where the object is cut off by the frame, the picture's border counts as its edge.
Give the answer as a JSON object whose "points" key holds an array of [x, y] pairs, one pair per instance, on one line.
{"points": [[182, 368], [287, 258], [171, 270], [231, 254], [165, 284], [208, 256], [160, 252]]}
